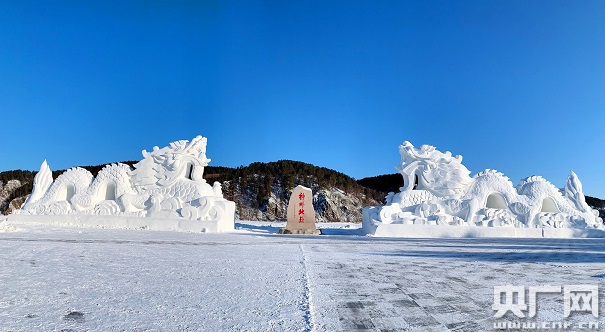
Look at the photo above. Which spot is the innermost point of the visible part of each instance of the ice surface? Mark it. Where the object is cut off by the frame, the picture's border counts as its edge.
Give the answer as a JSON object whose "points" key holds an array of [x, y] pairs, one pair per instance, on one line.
{"points": [[55, 278]]}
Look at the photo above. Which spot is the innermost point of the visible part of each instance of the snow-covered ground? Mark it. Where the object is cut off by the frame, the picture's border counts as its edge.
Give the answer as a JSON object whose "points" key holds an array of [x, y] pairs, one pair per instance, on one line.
{"points": [[54, 278]]}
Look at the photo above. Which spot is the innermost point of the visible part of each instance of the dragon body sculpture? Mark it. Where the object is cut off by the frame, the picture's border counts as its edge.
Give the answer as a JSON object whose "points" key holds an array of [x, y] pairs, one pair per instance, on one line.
{"points": [[438, 190], [166, 183]]}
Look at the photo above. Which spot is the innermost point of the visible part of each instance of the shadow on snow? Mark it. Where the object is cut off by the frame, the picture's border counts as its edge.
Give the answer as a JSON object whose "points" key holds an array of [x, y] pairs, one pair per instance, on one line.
{"points": [[533, 255]]}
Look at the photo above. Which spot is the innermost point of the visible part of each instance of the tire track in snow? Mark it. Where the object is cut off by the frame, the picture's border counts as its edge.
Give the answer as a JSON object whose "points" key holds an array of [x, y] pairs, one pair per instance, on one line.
{"points": [[306, 304]]}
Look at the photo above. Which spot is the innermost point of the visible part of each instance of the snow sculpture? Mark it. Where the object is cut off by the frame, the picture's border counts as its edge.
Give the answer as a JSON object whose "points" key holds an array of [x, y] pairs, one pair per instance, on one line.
{"points": [[167, 184], [438, 191]]}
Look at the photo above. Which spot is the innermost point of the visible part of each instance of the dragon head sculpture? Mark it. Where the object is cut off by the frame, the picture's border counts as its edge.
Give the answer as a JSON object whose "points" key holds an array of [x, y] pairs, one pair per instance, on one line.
{"points": [[429, 169], [181, 160]]}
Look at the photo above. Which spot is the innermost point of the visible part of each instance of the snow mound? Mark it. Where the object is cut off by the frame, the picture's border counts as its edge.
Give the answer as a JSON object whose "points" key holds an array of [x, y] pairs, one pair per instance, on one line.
{"points": [[6, 226]]}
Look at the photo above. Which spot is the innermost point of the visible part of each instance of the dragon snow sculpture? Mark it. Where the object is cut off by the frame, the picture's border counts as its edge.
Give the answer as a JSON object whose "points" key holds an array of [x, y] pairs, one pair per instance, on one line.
{"points": [[439, 190], [167, 183]]}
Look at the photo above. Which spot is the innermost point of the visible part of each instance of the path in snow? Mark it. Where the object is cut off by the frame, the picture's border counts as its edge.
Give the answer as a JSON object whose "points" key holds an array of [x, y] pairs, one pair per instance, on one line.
{"points": [[253, 280]]}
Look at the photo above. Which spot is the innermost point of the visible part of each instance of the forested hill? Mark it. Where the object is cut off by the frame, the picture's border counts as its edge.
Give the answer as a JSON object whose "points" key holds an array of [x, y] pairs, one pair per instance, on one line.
{"points": [[287, 173], [261, 190], [384, 183]]}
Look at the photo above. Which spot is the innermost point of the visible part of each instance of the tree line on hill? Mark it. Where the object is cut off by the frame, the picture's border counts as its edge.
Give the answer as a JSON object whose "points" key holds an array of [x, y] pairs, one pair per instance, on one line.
{"points": [[260, 179]]}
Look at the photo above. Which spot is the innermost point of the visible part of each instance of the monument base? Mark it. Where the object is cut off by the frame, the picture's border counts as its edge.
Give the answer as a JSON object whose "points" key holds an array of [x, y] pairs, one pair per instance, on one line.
{"points": [[300, 231]]}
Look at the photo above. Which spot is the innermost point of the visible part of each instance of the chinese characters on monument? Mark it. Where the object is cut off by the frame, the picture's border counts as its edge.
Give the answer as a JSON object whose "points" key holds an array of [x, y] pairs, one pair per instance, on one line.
{"points": [[301, 207], [301, 215]]}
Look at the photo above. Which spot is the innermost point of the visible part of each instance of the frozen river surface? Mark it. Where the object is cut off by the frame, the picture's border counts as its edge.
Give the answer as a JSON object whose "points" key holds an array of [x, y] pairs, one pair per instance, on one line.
{"points": [[76, 279]]}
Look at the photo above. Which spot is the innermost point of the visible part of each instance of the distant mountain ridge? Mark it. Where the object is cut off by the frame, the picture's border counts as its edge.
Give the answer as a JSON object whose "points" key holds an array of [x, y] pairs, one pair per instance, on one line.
{"points": [[261, 190]]}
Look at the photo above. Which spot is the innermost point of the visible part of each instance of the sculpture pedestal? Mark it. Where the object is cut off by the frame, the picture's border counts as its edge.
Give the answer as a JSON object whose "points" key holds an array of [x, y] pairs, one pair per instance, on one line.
{"points": [[447, 231], [126, 222]]}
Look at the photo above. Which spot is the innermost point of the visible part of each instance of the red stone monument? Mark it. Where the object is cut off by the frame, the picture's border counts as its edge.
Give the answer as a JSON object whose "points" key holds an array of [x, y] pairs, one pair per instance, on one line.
{"points": [[301, 215]]}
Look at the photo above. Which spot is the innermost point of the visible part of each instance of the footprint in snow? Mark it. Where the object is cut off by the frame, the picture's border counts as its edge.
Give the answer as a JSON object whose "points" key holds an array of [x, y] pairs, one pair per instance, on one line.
{"points": [[75, 316]]}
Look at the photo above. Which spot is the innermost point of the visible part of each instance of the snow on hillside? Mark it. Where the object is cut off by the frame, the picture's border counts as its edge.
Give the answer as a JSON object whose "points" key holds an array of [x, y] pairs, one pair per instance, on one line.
{"points": [[6, 189], [330, 204], [81, 279]]}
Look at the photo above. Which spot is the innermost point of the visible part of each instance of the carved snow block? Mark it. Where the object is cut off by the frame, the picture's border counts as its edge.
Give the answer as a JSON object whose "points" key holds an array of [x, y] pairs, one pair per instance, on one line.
{"points": [[301, 215], [439, 198], [165, 191]]}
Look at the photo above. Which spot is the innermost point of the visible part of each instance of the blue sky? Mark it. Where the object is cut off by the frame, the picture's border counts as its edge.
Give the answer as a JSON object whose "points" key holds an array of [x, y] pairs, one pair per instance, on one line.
{"points": [[517, 86]]}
